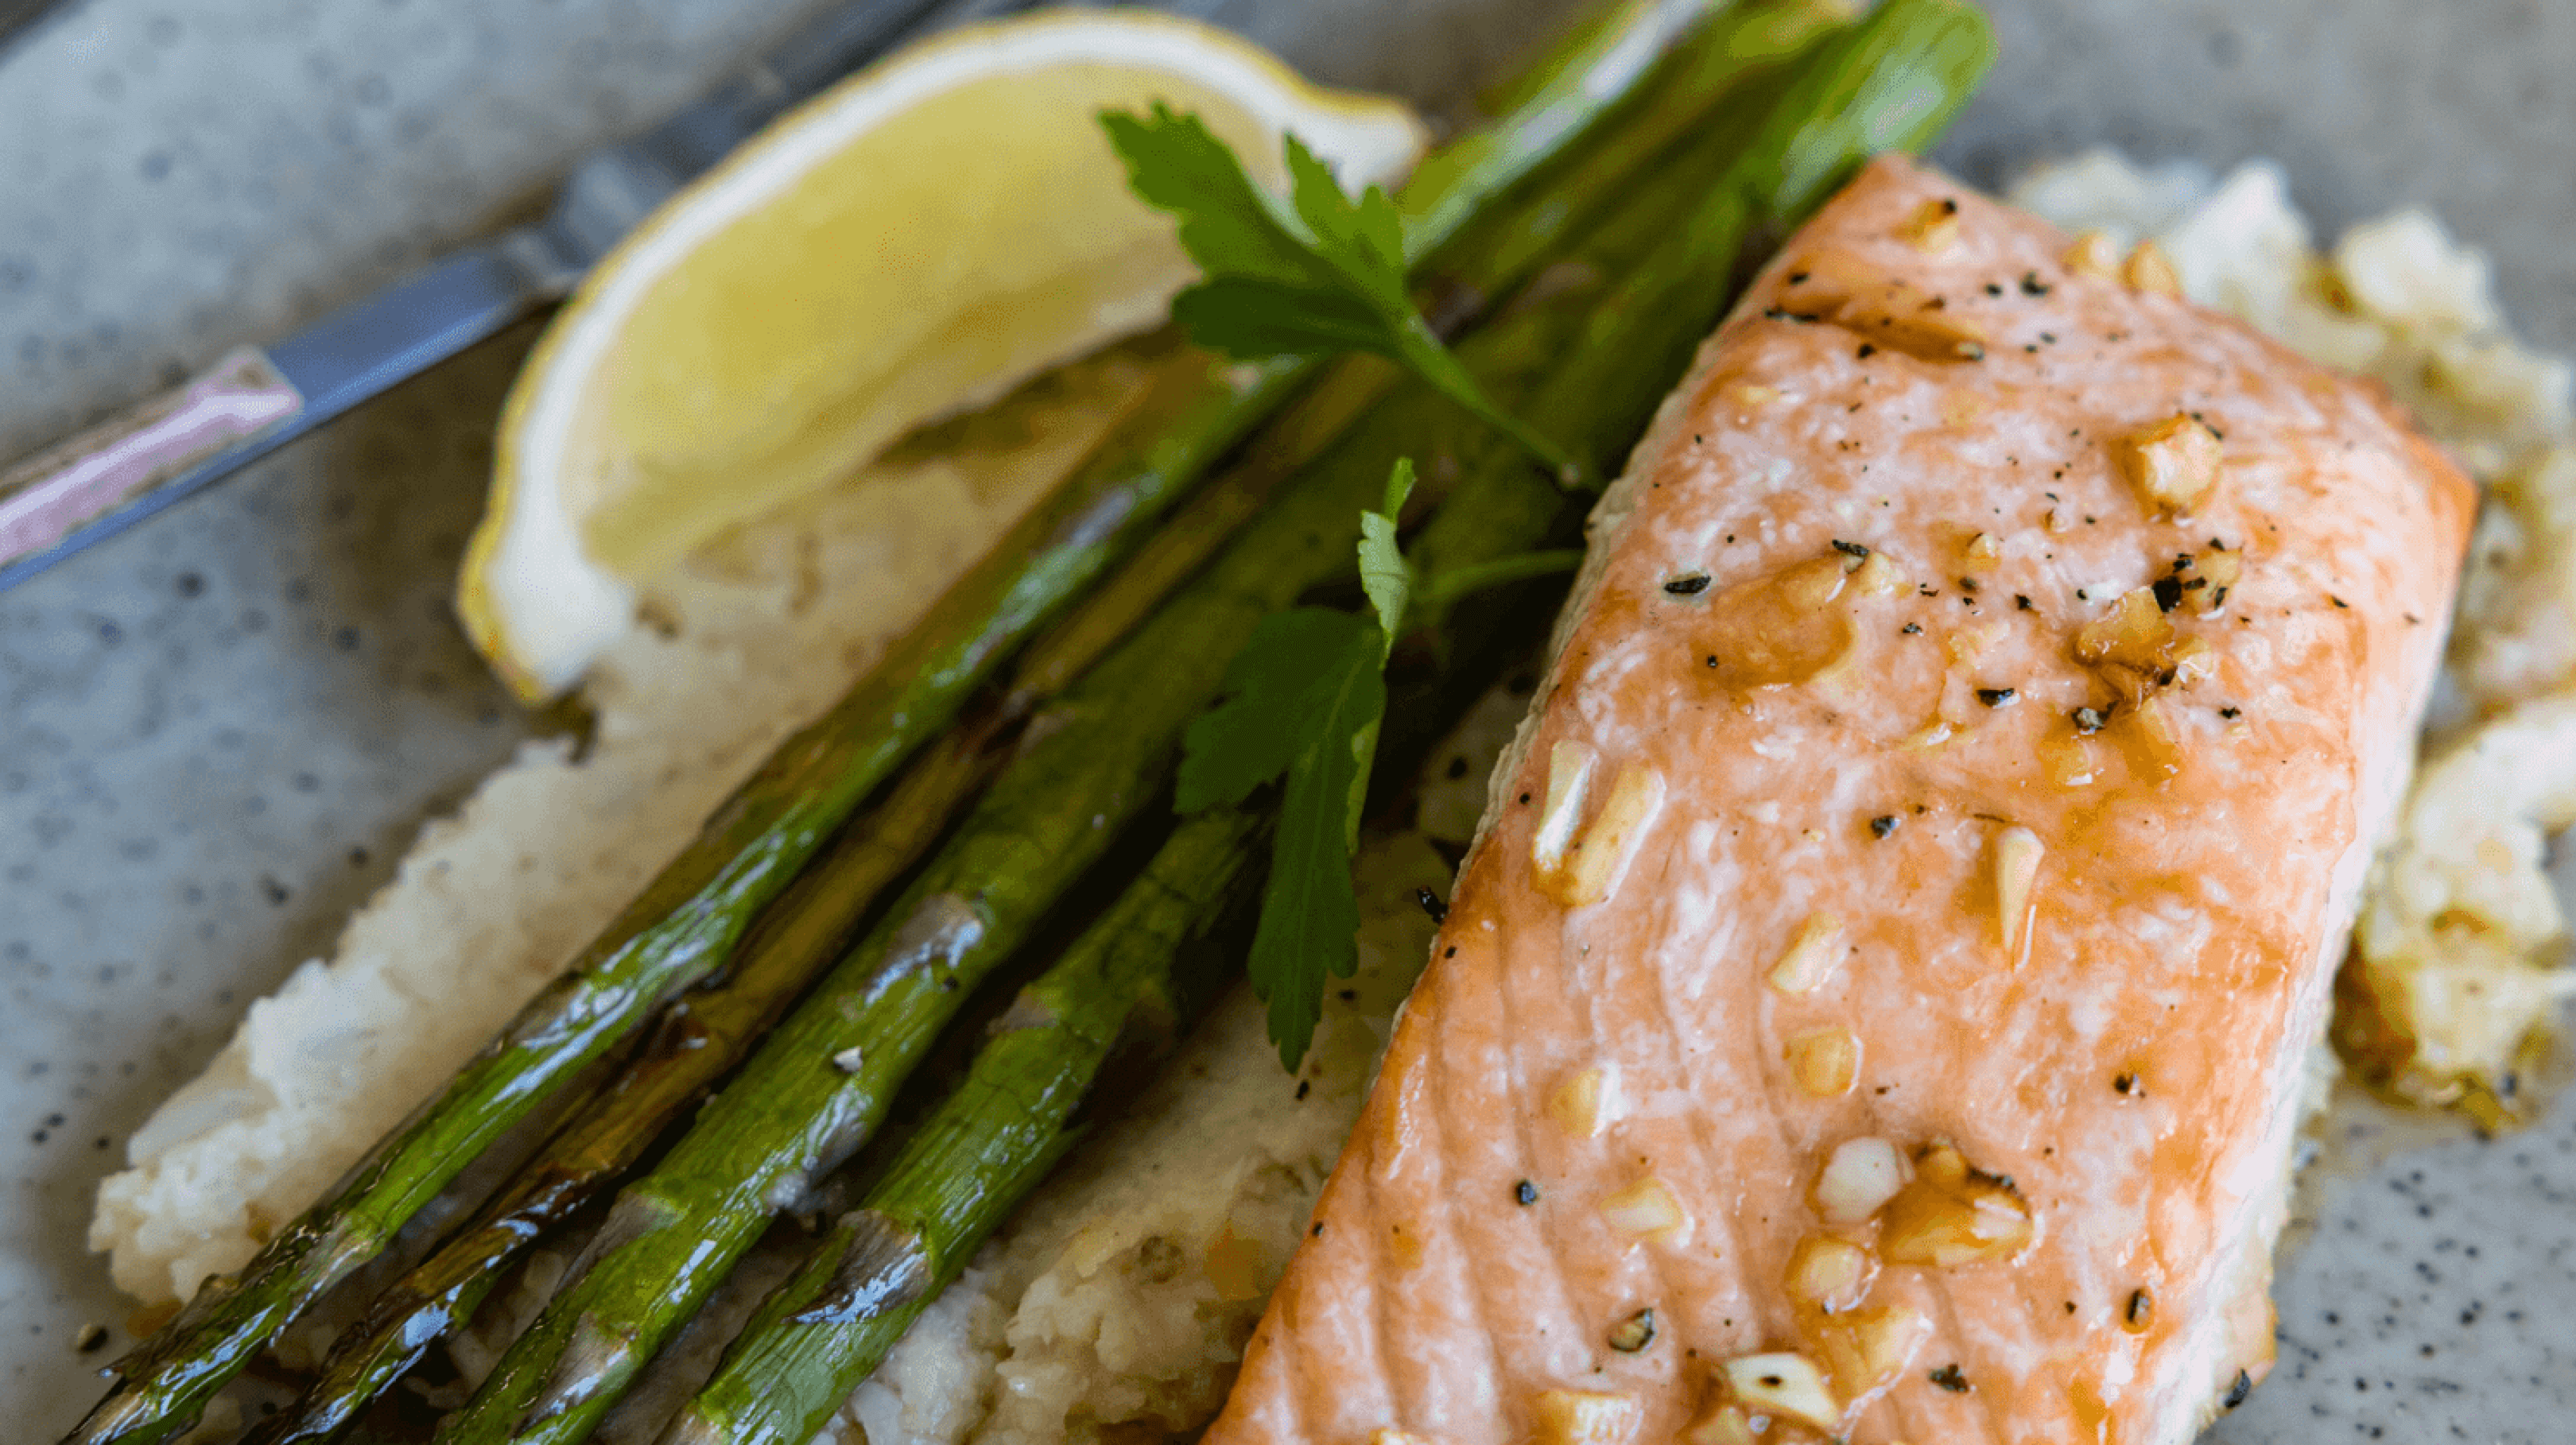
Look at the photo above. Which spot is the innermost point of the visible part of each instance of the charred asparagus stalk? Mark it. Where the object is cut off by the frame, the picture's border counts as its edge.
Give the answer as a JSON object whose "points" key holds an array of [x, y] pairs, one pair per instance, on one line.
{"points": [[1131, 979], [796, 1111], [996, 1137], [697, 1039], [1098, 757], [706, 1030], [688, 921], [830, 1324]]}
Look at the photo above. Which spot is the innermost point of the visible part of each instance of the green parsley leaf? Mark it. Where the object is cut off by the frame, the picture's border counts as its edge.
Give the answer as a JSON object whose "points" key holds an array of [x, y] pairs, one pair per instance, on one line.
{"points": [[1286, 675], [1176, 164], [1310, 913], [1322, 275], [1303, 699], [1384, 574]]}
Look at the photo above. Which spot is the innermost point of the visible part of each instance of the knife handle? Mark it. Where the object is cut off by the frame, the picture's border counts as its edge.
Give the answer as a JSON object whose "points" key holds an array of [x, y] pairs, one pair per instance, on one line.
{"points": [[252, 401], [117, 473], [118, 465]]}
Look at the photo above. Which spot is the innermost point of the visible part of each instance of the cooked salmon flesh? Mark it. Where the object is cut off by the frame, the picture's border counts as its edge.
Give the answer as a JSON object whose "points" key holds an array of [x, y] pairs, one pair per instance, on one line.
{"points": [[1879, 1006]]}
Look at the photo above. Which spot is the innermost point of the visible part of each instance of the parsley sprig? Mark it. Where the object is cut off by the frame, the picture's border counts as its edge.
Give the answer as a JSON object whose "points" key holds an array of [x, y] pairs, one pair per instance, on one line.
{"points": [[1302, 705], [1320, 275], [1303, 700]]}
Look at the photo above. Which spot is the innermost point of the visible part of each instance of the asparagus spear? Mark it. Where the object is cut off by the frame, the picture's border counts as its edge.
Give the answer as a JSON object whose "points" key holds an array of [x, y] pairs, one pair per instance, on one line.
{"points": [[688, 920], [995, 1138], [697, 1038], [1892, 81], [830, 1324], [1101, 753], [1649, 136], [703, 1033], [1131, 977], [1097, 758]]}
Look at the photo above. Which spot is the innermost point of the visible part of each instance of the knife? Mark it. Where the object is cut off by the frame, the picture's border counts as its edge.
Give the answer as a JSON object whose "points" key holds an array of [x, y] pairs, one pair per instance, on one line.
{"points": [[16, 14], [256, 399]]}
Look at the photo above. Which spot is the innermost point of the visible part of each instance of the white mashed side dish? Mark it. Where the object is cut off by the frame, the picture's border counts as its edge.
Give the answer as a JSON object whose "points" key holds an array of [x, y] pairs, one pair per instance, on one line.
{"points": [[759, 632], [2462, 944], [1114, 1306]]}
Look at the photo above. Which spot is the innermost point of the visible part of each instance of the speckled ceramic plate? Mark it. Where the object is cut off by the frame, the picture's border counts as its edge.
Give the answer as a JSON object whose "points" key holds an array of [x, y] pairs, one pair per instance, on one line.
{"points": [[217, 732]]}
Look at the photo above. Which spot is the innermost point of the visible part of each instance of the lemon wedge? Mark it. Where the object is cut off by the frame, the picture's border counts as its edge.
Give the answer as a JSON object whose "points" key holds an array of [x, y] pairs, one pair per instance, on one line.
{"points": [[911, 243]]}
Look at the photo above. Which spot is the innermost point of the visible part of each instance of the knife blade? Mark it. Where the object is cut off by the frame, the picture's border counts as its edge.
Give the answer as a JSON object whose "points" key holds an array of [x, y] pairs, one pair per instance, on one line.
{"points": [[16, 15], [253, 400]]}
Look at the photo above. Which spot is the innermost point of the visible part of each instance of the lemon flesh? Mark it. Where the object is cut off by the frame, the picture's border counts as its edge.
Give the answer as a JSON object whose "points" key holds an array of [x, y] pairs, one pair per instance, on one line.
{"points": [[914, 242]]}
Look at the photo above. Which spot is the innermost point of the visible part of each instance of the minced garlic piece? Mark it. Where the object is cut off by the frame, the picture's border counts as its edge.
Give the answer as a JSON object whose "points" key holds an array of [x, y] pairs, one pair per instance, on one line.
{"points": [[1586, 1102], [1782, 1383], [1595, 861], [1887, 313], [1934, 227], [2219, 571], [1859, 1176], [1829, 1273], [1906, 320], [1569, 779], [1876, 577], [2018, 852], [1586, 1417], [1726, 1425], [2151, 723], [2150, 269], [2175, 464], [2134, 634], [1984, 548], [2194, 661], [1868, 1349], [1953, 1213], [2093, 255], [1649, 1210], [1812, 955], [1633, 1335], [1824, 1061]]}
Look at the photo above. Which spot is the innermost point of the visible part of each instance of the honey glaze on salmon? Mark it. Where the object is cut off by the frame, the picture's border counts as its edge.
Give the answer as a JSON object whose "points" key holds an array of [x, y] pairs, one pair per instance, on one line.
{"points": [[1877, 1007]]}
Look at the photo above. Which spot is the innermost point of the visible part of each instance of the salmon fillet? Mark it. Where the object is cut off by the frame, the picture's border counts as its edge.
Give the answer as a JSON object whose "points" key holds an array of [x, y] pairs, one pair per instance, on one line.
{"points": [[1880, 1004]]}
